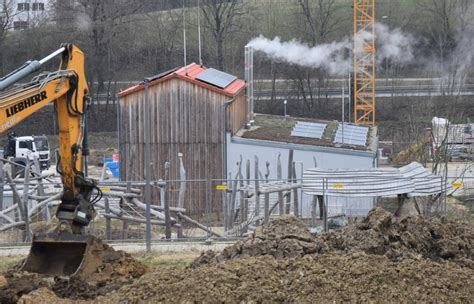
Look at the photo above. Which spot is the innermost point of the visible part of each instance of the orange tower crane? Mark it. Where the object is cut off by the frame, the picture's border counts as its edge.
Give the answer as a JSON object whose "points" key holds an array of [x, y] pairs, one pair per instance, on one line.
{"points": [[364, 62]]}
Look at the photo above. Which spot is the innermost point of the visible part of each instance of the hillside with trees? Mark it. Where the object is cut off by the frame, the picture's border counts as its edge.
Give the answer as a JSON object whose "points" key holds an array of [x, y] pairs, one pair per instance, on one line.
{"points": [[125, 41]]}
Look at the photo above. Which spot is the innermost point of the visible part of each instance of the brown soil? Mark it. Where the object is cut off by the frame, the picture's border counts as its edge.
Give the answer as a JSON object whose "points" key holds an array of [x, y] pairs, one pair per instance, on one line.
{"points": [[103, 271], [380, 234], [411, 237], [324, 279], [42, 295], [381, 259]]}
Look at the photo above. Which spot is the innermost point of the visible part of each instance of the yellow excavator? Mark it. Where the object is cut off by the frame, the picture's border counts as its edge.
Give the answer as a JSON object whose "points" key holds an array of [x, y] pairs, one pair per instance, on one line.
{"points": [[60, 251]]}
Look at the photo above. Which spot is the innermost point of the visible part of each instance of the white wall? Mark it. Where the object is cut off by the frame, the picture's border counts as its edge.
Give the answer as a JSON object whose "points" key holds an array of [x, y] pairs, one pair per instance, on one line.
{"points": [[33, 17], [327, 158]]}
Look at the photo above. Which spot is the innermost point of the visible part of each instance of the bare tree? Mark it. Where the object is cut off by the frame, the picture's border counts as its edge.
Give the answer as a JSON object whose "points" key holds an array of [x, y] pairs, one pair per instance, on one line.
{"points": [[321, 18], [439, 24], [165, 39], [449, 31], [7, 13], [100, 22], [221, 18]]}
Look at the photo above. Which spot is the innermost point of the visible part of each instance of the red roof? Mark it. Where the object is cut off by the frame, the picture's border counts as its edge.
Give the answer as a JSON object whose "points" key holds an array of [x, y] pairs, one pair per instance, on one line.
{"points": [[190, 73]]}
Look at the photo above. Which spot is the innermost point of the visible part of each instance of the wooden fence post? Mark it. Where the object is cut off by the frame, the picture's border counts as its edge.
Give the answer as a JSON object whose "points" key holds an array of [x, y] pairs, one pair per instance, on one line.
{"points": [[296, 209], [26, 192], [257, 188], [166, 204], [267, 195], [182, 181], [246, 194], [234, 197], [241, 193], [290, 174], [125, 222], [281, 203], [108, 224], [314, 203]]}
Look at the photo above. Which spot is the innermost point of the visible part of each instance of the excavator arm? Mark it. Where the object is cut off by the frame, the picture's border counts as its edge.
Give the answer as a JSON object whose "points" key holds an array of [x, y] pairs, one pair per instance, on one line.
{"points": [[67, 88]]}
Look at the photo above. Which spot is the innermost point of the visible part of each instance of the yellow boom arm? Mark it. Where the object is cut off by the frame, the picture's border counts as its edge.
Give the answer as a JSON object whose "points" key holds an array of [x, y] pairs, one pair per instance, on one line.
{"points": [[68, 88]]}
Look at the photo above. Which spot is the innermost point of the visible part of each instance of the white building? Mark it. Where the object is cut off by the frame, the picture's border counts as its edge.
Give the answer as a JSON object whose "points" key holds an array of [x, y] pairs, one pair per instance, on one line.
{"points": [[275, 135], [28, 13]]}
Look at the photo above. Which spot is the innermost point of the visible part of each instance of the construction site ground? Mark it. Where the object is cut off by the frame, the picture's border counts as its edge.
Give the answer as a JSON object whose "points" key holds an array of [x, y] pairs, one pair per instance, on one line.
{"points": [[380, 259]]}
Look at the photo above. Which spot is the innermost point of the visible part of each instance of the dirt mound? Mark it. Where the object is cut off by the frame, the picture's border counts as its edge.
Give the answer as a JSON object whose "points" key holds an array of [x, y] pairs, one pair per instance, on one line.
{"points": [[380, 233], [42, 295], [116, 269], [285, 237], [324, 279], [19, 283], [106, 270], [382, 259], [409, 237]]}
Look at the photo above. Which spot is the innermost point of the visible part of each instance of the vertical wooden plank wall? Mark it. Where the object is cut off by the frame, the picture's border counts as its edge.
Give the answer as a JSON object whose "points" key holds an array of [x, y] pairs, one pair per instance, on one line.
{"points": [[186, 118], [237, 113]]}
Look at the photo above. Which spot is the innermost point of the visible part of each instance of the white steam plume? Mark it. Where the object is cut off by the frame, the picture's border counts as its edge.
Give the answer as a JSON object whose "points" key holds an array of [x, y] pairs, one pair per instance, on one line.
{"points": [[453, 69], [336, 57], [393, 44], [83, 21], [331, 56]]}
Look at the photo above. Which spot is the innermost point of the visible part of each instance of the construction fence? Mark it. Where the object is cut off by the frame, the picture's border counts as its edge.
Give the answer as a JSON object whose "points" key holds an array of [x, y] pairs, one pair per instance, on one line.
{"points": [[213, 208]]}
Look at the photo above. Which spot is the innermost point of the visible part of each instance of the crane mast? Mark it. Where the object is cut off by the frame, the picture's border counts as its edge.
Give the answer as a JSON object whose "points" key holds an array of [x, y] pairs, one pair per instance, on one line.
{"points": [[364, 62]]}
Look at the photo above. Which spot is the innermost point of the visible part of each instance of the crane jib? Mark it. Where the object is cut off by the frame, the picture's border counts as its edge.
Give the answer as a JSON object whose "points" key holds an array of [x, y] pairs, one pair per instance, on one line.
{"points": [[26, 103]]}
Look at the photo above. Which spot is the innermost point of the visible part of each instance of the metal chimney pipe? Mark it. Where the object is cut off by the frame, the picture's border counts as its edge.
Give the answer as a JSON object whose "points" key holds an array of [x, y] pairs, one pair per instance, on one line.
{"points": [[247, 115], [252, 97], [249, 80]]}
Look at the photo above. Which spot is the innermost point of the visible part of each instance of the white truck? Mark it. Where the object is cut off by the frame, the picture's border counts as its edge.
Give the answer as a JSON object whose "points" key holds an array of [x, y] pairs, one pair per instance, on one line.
{"points": [[22, 147]]}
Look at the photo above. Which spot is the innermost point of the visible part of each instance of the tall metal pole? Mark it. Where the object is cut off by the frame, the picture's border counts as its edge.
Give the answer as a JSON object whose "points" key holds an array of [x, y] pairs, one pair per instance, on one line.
{"points": [[342, 121], [184, 34], [350, 98], [147, 167], [252, 97], [119, 137], [199, 32]]}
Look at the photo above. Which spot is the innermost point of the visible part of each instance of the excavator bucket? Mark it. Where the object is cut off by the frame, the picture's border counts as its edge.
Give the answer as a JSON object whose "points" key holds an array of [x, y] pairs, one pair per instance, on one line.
{"points": [[63, 254]]}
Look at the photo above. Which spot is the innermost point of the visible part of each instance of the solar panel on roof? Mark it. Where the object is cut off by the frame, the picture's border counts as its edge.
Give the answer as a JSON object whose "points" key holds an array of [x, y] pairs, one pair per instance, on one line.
{"points": [[216, 78], [308, 129], [161, 75], [353, 135]]}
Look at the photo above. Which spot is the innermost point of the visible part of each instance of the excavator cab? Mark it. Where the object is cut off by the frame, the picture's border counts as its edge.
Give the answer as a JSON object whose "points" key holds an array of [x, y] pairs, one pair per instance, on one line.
{"points": [[66, 249]]}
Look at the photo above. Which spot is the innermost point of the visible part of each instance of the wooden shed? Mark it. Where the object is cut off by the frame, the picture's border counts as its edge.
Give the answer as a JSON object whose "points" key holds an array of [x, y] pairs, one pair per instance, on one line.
{"points": [[191, 108]]}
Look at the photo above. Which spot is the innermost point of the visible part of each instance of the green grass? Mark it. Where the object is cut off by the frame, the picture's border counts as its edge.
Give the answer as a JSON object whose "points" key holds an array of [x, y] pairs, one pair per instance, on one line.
{"points": [[9, 261], [179, 259]]}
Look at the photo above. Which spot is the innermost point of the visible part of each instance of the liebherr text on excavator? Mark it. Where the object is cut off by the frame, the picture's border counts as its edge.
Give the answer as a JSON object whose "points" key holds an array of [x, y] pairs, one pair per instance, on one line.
{"points": [[62, 250]]}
